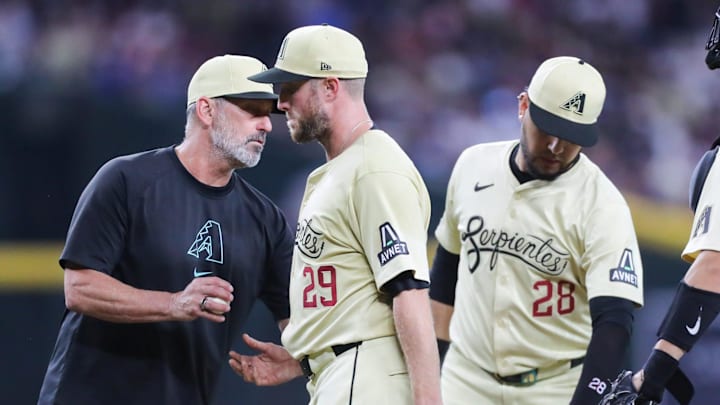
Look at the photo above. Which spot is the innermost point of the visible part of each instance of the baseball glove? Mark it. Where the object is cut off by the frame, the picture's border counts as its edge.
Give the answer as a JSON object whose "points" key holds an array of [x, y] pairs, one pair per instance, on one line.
{"points": [[622, 392]]}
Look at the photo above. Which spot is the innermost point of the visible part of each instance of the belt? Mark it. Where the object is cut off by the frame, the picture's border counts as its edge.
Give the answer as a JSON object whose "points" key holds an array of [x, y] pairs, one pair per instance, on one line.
{"points": [[530, 377], [336, 349]]}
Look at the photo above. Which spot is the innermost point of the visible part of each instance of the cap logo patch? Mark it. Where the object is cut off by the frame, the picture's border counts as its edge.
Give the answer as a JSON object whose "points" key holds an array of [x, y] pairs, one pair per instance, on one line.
{"points": [[392, 246], [325, 66], [575, 104], [281, 53]]}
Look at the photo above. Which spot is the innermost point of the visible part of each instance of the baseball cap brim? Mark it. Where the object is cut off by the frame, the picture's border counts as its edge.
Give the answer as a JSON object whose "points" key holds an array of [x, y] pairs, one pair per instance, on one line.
{"points": [[253, 95], [580, 134], [257, 95], [275, 75]]}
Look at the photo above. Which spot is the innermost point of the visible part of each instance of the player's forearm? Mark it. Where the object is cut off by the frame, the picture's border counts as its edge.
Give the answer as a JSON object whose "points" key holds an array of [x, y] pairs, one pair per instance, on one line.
{"points": [[413, 321], [670, 349], [441, 314], [98, 295]]}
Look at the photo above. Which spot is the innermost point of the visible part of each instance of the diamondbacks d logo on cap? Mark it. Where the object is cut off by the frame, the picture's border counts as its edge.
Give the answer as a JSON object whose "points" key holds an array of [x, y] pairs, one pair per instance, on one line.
{"points": [[575, 104], [625, 271], [392, 246], [325, 66]]}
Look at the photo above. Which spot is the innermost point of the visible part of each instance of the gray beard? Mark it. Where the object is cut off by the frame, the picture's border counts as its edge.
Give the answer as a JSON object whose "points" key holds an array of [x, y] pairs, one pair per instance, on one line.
{"points": [[234, 151]]}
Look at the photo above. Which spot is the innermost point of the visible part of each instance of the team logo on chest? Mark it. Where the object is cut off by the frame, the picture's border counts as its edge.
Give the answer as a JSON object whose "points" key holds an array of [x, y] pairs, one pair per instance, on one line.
{"points": [[309, 241], [208, 241], [625, 271], [208, 245], [540, 254], [392, 246]]}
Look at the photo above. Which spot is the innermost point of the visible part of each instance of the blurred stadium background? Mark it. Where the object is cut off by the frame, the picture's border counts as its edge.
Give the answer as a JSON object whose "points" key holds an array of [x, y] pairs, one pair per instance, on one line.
{"points": [[83, 81]]}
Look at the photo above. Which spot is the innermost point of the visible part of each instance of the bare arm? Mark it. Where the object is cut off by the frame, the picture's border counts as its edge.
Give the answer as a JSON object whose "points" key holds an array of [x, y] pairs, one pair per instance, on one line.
{"points": [[101, 296], [441, 318], [704, 273], [413, 320]]}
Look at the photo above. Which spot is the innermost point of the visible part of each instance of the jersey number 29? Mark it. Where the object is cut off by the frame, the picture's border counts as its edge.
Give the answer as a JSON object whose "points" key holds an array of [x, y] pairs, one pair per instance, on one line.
{"points": [[326, 287], [565, 302]]}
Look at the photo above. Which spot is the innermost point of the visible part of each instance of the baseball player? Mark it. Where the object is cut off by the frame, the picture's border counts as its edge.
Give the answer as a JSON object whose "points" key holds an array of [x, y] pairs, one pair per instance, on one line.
{"points": [[697, 300], [360, 323], [537, 271]]}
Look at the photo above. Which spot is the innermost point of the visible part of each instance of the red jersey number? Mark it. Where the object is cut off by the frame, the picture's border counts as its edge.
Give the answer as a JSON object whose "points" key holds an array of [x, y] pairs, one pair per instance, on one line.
{"points": [[556, 296], [325, 288]]}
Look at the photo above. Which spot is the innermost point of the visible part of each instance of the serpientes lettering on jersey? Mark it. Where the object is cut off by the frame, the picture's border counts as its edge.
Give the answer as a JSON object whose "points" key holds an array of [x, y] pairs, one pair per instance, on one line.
{"points": [[536, 252], [625, 271], [309, 241], [392, 246]]}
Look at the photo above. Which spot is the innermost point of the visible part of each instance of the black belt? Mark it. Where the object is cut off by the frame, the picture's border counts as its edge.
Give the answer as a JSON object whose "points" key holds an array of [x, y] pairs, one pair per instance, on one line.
{"points": [[531, 376], [337, 349]]}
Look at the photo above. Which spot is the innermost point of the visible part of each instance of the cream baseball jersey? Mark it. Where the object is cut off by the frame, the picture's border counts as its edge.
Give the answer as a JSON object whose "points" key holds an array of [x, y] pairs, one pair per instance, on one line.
{"points": [[363, 220], [532, 255], [704, 234]]}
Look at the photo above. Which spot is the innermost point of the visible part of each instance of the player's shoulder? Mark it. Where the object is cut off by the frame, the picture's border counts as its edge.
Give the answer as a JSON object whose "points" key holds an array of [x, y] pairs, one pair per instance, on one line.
{"points": [[483, 153], [380, 152], [594, 182]]}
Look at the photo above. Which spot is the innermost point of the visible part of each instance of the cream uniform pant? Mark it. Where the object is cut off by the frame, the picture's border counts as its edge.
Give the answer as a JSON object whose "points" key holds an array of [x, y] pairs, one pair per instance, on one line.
{"points": [[374, 372], [464, 383]]}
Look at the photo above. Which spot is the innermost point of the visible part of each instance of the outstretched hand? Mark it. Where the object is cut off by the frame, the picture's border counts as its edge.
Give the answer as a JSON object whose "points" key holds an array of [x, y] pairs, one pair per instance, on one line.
{"points": [[272, 366]]}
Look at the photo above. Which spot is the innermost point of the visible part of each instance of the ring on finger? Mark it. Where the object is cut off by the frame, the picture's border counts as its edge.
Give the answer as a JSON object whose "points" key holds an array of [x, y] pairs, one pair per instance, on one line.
{"points": [[202, 303]]}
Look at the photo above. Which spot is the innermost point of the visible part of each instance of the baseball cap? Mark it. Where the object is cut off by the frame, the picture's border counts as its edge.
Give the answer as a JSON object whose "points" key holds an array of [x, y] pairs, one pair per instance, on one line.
{"points": [[226, 76], [317, 51], [566, 97]]}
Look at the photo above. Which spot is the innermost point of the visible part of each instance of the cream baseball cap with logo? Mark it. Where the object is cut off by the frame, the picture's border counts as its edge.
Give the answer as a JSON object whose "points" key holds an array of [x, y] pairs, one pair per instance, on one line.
{"points": [[566, 98], [227, 76], [317, 51]]}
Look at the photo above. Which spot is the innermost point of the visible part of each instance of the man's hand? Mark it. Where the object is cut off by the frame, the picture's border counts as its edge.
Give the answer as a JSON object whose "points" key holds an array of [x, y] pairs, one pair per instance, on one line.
{"points": [[191, 303], [272, 366]]}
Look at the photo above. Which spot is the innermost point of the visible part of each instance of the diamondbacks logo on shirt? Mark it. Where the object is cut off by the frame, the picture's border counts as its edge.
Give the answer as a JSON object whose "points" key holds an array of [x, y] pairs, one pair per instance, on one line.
{"points": [[625, 271], [575, 104], [208, 243], [391, 244], [703, 223]]}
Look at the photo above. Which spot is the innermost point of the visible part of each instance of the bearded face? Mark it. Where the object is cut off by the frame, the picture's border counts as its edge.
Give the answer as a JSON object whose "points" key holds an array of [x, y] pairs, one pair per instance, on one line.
{"points": [[229, 141], [311, 123]]}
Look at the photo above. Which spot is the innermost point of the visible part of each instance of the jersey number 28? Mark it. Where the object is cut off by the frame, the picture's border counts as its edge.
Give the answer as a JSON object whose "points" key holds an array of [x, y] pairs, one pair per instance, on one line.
{"points": [[564, 302], [326, 287]]}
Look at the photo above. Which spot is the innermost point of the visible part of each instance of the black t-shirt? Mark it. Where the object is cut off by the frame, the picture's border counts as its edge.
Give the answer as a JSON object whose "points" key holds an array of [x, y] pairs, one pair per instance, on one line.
{"points": [[144, 220]]}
